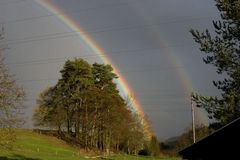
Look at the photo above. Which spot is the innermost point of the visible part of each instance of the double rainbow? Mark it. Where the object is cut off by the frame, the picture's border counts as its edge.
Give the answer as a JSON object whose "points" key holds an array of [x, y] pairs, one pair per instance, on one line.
{"points": [[75, 27]]}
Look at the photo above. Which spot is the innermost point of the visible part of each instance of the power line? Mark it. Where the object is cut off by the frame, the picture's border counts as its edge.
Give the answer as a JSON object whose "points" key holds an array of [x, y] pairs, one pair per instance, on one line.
{"points": [[159, 98], [173, 93], [59, 35], [152, 69], [153, 107], [38, 80], [184, 102], [137, 52], [162, 110], [74, 12], [166, 97], [126, 71], [58, 14], [167, 90], [161, 92], [115, 53], [173, 100], [13, 2], [164, 104]]}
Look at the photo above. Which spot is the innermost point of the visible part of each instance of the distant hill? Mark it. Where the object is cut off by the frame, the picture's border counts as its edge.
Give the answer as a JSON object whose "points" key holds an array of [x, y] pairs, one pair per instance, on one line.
{"points": [[171, 139], [169, 146]]}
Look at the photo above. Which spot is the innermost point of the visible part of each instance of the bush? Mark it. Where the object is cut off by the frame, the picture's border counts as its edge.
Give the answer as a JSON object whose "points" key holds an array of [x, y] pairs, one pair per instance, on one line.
{"points": [[144, 152]]}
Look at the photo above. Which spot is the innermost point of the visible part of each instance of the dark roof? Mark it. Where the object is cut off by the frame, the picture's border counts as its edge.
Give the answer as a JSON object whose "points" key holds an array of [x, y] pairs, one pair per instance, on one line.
{"points": [[223, 143]]}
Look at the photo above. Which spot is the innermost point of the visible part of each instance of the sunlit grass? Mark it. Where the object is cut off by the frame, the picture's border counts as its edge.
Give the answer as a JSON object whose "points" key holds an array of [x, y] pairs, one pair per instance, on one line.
{"points": [[34, 146], [131, 157]]}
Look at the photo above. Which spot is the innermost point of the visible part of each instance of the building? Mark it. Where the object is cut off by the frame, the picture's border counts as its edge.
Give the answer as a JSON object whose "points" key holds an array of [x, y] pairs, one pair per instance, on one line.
{"points": [[224, 144]]}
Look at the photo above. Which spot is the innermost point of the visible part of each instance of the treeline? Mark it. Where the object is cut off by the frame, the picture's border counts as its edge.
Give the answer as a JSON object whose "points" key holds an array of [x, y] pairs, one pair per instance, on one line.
{"points": [[173, 145], [86, 109]]}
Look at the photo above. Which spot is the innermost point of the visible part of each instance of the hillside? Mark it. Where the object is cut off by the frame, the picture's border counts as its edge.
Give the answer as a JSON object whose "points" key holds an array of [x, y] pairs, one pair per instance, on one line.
{"points": [[34, 146]]}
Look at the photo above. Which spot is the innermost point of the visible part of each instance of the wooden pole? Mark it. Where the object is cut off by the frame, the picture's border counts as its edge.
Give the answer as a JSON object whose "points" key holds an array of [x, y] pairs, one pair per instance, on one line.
{"points": [[193, 121]]}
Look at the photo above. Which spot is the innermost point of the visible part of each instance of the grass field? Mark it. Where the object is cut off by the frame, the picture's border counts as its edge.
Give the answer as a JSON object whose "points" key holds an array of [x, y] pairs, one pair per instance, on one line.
{"points": [[34, 146]]}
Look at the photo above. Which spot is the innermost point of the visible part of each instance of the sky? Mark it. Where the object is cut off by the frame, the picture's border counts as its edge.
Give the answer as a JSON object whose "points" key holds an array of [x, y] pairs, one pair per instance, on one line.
{"points": [[147, 40]]}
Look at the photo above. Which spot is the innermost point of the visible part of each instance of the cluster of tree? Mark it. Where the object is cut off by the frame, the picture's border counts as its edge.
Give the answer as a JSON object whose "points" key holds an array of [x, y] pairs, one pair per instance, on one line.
{"points": [[11, 98], [174, 145], [222, 50], [85, 107], [186, 139], [151, 148]]}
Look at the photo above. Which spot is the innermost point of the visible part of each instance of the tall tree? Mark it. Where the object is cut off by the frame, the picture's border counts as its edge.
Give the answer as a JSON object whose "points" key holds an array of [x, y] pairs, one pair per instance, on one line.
{"points": [[222, 50], [11, 98], [76, 80], [87, 103], [154, 147]]}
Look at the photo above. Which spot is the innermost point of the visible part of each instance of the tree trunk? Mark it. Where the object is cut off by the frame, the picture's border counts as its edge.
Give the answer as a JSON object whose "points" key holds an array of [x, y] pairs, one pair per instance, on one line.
{"points": [[86, 128]]}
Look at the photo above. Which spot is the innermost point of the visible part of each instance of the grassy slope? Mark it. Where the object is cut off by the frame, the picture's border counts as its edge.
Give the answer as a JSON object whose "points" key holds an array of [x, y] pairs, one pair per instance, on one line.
{"points": [[34, 146]]}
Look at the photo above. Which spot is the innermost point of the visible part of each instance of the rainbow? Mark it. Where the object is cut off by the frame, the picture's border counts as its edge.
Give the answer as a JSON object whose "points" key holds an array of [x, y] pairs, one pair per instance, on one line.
{"points": [[185, 80], [180, 71], [102, 55]]}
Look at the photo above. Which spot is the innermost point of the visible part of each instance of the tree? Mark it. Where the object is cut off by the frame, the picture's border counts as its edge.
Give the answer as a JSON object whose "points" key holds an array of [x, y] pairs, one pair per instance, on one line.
{"points": [[154, 147], [186, 138], [223, 51], [87, 109], [49, 113], [11, 98], [151, 147], [73, 87], [175, 144], [104, 76]]}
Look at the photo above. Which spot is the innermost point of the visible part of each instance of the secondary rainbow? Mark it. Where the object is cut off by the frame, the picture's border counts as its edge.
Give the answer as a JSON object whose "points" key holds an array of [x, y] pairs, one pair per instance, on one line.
{"points": [[175, 60], [98, 51]]}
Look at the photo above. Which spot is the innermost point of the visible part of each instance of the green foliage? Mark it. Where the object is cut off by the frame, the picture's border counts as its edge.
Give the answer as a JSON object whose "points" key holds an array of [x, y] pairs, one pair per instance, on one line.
{"points": [[174, 145], [7, 138], [86, 108], [103, 76], [186, 139], [42, 115], [154, 148], [151, 148], [222, 51]]}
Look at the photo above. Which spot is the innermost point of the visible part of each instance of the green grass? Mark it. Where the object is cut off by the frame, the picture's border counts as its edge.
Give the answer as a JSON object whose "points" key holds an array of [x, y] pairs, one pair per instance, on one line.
{"points": [[129, 157], [34, 146]]}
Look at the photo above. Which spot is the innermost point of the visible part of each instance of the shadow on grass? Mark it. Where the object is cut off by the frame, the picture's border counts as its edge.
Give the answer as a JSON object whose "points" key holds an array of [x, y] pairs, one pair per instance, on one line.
{"points": [[106, 158], [18, 157]]}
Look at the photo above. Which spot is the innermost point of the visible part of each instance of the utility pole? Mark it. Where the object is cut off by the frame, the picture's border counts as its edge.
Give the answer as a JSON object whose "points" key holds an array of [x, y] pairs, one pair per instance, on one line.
{"points": [[193, 120]]}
